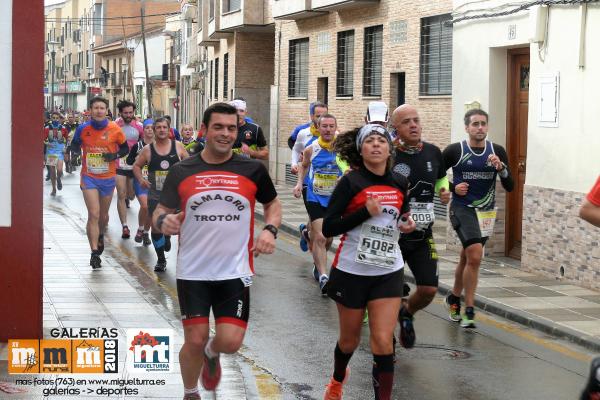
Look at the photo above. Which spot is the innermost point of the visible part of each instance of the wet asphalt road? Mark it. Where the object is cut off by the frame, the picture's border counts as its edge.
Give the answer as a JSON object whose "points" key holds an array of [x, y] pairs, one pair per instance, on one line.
{"points": [[293, 330]]}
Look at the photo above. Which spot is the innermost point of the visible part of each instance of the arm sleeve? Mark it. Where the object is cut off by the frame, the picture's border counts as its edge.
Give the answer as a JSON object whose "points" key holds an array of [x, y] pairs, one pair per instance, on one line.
{"points": [[76, 142], [442, 170], [334, 222], [46, 133], [123, 150], [507, 182], [177, 135], [296, 150], [442, 183], [260, 138], [132, 155], [451, 155]]}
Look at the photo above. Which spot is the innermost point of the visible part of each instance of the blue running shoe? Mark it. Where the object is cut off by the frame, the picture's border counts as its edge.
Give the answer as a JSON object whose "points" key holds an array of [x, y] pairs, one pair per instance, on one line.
{"points": [[315, 273], [303, 242]]}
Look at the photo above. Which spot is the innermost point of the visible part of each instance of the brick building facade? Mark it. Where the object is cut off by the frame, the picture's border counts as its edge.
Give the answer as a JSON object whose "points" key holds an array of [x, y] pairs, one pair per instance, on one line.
{"points": [[396, 32]]}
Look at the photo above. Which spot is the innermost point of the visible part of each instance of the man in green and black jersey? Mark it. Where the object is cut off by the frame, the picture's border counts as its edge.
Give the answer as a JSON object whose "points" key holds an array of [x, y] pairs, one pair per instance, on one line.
{"points": [[421, 163], [251, 141]]}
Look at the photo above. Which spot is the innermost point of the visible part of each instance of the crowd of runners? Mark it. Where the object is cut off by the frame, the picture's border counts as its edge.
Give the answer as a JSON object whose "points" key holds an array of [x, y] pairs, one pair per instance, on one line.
{"points": [[374, 186]]}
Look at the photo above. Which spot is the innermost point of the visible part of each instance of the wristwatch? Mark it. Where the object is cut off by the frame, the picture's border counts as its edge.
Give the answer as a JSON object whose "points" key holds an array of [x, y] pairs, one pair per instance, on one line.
{"points": [[272, 229]]}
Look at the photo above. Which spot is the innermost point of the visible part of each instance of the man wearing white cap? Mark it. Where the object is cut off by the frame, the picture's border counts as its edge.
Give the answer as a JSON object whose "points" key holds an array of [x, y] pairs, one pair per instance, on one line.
{"points": [[251, 141]]}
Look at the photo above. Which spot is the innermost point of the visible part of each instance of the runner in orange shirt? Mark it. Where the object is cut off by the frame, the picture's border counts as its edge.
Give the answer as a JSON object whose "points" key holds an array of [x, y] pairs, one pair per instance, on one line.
{"points": [[102, 142], [590, 209]]}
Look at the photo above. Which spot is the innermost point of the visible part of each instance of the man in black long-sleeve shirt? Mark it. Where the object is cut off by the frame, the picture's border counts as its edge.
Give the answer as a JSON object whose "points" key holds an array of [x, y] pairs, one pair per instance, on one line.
{"points": [[475, 163]]}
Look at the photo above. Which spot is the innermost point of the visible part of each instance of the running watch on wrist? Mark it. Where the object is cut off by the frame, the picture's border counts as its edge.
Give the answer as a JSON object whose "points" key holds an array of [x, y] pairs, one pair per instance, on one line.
{"points": [[160, 220], [272, 229]]}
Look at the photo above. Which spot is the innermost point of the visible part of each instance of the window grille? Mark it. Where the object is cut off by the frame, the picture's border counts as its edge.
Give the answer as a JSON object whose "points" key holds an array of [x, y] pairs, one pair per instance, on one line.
{"points": [[372, 62], [298, 68], [435, 75], [345, 64]]}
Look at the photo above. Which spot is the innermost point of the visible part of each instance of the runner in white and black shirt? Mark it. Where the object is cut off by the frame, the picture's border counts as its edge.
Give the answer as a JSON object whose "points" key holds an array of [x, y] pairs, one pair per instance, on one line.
{"points": [[216, 192], [369, 209]]}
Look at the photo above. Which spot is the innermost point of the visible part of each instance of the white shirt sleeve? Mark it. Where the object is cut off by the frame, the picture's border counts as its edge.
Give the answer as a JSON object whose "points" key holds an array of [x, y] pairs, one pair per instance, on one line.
{"points": [[299, 145]]}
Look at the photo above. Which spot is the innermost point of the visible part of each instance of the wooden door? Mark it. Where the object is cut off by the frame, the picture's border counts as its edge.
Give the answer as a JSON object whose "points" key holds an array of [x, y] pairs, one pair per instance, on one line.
{"points": [[518, 111]]}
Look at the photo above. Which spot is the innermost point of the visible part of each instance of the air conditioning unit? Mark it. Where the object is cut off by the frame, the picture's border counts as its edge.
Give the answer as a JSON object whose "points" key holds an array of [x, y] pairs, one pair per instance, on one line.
{"points": [[190, 12]]}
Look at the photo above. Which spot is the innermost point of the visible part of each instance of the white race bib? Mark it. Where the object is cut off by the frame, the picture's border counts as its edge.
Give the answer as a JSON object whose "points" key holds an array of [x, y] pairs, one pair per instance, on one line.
{"points": [[422, 214], [487, 220], [123, 164], [159, 178], [377, 246], [52, 160], [96, 164]]}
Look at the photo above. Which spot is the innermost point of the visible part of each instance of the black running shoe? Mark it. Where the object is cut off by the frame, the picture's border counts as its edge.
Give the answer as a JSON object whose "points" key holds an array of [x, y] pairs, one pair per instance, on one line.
{"points": [[139, 235], [127, 203], [146, 240], [47, 178], [95, 261], [167, 243], [160, 266], [58, 184], [407, 330], [100, 244]]}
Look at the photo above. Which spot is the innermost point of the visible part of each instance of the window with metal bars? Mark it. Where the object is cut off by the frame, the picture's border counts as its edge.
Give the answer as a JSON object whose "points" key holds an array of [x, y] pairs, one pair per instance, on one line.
{"points": [[345, 64], [435, 76], [298, 68], [372, 60], [225, 75], [231, 5], [216, 78]]}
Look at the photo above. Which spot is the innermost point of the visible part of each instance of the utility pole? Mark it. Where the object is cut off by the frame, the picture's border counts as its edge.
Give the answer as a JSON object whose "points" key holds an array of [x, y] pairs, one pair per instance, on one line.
{"points": [[148, 85]]}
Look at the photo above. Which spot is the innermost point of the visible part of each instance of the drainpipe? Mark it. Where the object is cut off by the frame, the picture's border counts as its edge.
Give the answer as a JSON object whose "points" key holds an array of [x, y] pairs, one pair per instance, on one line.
{"points": [[582, 36], [278, 106]]}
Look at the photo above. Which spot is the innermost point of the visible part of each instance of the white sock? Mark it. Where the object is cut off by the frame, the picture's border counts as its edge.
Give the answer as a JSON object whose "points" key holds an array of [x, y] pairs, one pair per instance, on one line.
{"points": [[323, 276], [146, 230], [208, 349], [124, 225], [190, 391]]}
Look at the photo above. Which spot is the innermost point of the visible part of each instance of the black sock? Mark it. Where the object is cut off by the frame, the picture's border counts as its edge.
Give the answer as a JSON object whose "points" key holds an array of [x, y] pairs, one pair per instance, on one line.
{"points": [[452, 299], [95, 252], [340, 364], [470, 312], [158, 239], [383, 376], [404, 313]]}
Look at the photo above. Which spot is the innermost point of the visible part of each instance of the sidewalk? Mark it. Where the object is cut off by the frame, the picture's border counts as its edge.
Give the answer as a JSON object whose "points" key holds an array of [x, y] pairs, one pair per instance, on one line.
{"points": [[77, 296], [549, 305]]}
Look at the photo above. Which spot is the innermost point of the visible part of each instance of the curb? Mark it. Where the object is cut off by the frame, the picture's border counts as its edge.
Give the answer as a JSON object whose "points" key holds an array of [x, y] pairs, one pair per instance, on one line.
{"points": [[493, 307]]}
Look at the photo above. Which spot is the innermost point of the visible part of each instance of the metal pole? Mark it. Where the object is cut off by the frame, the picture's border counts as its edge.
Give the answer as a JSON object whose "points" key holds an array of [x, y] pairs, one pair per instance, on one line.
{"points": [[52, 55], [148, 85]]}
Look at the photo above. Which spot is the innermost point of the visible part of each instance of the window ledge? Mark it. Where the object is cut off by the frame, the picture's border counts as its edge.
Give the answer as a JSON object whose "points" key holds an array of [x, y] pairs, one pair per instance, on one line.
{"points": [[297, 98], [371, 97], [435, 96], [231, 12], [344, 97]]}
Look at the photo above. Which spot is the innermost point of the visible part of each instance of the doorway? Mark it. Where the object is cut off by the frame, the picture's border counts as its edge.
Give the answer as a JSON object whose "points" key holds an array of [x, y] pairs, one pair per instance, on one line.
{"points": [[518, 112], [397, 89], [322, 90]]}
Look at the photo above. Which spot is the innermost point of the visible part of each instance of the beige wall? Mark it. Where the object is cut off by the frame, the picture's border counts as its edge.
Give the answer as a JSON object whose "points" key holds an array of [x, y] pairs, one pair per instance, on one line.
{"points": [[401, 57]]}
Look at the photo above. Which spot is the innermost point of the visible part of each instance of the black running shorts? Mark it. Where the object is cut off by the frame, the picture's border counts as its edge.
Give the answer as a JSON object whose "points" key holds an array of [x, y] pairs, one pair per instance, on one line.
{"points": [[355, 291], [465, 223], [229, 300], [315, 210], [422, 259], [125, 172]]}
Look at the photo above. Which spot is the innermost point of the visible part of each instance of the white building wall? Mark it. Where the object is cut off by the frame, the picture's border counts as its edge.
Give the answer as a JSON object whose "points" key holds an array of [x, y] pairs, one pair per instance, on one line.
{"points": [[565, 157]]}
